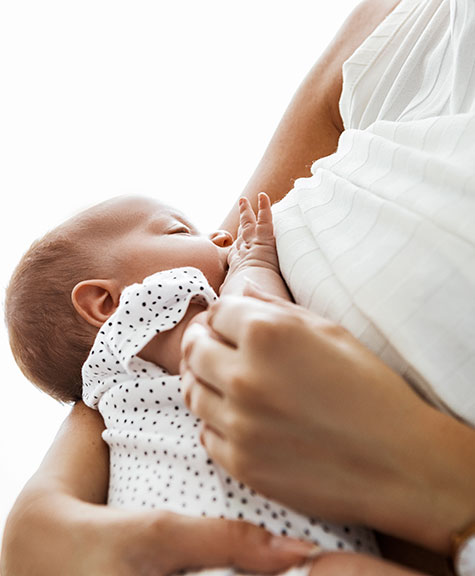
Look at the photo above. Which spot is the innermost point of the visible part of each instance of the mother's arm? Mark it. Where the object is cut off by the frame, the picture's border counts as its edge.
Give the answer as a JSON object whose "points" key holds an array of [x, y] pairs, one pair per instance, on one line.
{"points": [[58, 515], [61, 495], [59, 525], [311, 125]]}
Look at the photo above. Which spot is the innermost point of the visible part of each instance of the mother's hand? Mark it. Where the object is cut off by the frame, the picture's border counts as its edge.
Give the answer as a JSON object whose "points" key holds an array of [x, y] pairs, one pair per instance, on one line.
{"points": [[297, 408], [59, 526], [162, 543], [94, 540]]}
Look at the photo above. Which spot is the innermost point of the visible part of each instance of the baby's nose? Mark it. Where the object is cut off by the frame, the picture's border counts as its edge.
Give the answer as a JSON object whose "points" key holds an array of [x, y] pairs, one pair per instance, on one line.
{"points": [[222, 238]]}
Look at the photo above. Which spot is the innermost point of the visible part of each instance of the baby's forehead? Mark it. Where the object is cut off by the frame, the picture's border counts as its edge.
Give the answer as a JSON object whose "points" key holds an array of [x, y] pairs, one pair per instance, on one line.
{"points": [[130, 207], [125, 212], [122, 214], [139, 211]]}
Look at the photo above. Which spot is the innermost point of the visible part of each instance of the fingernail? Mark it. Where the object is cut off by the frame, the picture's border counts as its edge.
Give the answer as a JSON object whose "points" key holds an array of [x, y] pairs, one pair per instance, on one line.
{"points": [[314, 552], [304, 549], [192, 333], [186, 351], [211, 312]]}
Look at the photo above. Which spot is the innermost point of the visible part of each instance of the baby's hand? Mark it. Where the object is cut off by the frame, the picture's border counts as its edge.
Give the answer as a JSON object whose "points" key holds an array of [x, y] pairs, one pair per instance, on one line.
{"points": [[253, 256], [255, 242]]}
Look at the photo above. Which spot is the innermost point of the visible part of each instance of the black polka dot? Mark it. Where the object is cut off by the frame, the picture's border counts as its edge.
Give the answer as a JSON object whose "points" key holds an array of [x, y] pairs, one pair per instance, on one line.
{"points": [[156, 458]]}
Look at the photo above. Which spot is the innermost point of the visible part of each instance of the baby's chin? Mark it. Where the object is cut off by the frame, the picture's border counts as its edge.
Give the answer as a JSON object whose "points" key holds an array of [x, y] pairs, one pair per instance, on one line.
{"points": [[216, 279]]}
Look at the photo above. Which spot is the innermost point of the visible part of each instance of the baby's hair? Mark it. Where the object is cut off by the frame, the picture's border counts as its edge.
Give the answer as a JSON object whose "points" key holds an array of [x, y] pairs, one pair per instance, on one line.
{"points": [[49, 339]]}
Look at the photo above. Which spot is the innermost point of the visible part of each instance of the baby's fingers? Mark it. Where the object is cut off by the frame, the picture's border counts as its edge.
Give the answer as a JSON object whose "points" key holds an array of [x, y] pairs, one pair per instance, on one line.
{"points": [[264, 227], [247, 220]]}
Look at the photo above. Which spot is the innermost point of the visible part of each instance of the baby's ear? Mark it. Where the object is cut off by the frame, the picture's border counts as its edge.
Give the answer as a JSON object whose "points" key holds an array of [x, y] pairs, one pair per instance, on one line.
{"points": [[96, 300]]}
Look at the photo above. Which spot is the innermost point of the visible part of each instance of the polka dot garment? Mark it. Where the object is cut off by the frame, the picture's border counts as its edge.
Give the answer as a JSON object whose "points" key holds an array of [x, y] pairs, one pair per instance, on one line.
{"points": [[156, 459]]}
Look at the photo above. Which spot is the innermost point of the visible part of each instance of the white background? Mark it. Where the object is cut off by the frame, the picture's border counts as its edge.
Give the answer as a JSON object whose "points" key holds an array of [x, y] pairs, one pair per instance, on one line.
{"points": [[98, 98]]}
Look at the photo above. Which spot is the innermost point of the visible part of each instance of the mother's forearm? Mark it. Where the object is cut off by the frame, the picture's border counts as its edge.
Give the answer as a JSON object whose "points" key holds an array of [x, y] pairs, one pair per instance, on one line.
{"points": [[47, 533], [50, 519], [78, 460]]}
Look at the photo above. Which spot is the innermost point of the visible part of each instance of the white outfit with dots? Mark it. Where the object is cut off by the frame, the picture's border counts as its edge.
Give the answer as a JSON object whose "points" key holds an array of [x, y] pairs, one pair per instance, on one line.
{"points": [[156, 459]]}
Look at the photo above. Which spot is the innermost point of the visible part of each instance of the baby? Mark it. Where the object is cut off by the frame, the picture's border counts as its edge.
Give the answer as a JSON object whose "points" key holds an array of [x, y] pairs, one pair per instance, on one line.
{"points": [[96, 310]]}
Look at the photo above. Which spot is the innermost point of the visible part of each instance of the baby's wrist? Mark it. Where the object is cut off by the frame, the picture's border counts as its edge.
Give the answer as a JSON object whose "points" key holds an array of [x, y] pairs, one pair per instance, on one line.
{"points": [[253, 264], [266, 277]]}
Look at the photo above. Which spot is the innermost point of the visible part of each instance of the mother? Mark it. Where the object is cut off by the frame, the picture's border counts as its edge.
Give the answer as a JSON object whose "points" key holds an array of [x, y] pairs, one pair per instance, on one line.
{"points": [[300, 409]]}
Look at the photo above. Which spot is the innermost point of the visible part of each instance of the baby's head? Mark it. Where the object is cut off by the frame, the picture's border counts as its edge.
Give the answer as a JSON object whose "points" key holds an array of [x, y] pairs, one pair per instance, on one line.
{"points": [[70, 281]]}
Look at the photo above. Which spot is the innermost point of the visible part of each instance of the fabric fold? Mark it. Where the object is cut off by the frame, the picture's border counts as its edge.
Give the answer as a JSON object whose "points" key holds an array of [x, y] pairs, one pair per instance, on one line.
{"points": [[381, 238]]}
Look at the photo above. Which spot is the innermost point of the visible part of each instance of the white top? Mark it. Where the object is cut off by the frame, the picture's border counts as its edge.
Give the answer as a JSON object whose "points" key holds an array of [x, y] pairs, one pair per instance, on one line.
{"points": [[381, 238], [156, 459], [419, 63]]}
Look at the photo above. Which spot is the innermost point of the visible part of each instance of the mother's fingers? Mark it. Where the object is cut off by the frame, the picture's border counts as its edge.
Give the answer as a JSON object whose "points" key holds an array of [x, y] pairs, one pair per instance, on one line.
{"points": [[208, 358], [203, 401], [231, 317], [207, 542]]}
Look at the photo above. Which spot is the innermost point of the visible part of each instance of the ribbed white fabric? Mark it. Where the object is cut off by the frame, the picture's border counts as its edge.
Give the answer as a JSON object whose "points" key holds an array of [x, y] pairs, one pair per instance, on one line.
{"points": [[382, 238]]}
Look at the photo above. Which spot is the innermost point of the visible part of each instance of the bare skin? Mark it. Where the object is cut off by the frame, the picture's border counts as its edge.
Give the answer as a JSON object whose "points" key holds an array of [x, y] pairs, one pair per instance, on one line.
{"points": [[325, 451], [61, 500], [96, 540], [312, 124]]}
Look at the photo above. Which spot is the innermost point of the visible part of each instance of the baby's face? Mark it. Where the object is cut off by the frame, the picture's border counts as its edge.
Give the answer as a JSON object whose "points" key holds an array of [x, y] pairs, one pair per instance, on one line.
{"points": [[151, 237]]}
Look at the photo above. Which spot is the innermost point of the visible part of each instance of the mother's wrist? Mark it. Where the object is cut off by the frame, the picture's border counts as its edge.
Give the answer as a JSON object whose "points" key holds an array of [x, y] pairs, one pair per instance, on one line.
{"points": [[456, 473], [434, 497]]}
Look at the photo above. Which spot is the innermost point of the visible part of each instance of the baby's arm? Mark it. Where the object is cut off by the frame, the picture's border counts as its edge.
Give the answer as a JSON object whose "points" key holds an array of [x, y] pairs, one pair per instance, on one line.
{"points": [[253, 255], [165, 348]]}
